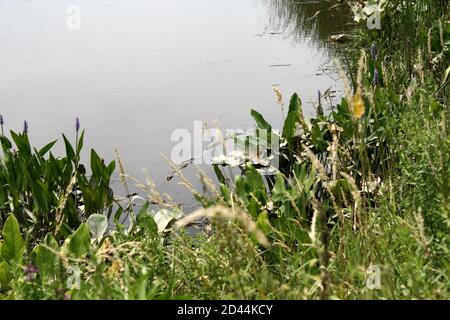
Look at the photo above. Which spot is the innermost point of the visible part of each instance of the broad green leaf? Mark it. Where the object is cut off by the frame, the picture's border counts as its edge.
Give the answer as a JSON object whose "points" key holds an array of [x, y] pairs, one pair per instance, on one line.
{"points": [[226, 193], [279, 189], [147, 223], [46, 259], [98, 223], [255, 180], [22, 143], [80, 243], [6, 144], [69, 149], [96, 164], [5, 275], [13, 244], [292, 120], [80, 143], [139, 289]]}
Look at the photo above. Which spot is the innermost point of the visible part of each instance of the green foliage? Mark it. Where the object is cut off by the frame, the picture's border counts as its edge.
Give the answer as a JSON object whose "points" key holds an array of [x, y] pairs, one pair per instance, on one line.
{"points": [[13, 245], [80, 241], [39, 188]]}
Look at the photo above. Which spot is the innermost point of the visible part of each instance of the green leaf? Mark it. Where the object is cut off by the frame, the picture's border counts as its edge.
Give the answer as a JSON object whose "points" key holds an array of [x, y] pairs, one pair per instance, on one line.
{"points": [[292, 120], [146, 221], [80, 243], [22, 143], [96, 164], [46, 259], [260, 121], [6, 144], [255, 180], [46, 149], [13, 244], [219, 175], [80, 143], [263, 222], [69, 149], [111, 167], [41, 195], [226, 193], [98, 224], [5, 275], [139, 289], [279, 189]]}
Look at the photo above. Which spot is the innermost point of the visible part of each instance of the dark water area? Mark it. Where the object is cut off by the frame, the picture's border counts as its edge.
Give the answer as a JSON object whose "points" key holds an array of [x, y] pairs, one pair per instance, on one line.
{"points": [[135, 71]]}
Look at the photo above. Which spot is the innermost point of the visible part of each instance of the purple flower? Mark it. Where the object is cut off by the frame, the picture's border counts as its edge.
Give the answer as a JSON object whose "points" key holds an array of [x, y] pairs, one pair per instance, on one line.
{"points": [[2, 121], [374, 51], [376, 78], [319, 96], [30, 272], [77, 124], [25, 127]]}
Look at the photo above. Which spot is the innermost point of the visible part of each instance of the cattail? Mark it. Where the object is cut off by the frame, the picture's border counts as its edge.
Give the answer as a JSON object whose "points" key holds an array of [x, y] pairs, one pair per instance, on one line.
{"points": [[25, 127], [374, 51], [77, 124], [376, 78]]}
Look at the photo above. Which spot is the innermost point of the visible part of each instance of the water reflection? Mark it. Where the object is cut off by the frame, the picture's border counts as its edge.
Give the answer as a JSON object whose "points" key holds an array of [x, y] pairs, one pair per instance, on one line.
{"points": [[137, 70], [313, 21]]}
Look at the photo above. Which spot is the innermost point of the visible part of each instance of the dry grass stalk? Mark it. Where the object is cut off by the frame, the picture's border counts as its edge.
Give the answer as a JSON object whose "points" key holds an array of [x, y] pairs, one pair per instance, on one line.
{"points": [[227, 213], [62, 203], [356, 194], [184, 181]]}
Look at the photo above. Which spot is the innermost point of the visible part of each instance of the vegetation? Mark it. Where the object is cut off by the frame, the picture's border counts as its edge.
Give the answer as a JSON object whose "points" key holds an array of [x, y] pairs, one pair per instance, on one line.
{"points": [[365, 188]]}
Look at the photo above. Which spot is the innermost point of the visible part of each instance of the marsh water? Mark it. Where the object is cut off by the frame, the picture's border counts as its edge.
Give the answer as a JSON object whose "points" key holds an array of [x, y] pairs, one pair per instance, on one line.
{"points": [[134, 71]]}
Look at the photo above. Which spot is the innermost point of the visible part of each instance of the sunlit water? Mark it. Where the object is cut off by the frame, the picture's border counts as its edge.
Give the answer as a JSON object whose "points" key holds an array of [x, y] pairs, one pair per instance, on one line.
{"points": [[139, 69]]}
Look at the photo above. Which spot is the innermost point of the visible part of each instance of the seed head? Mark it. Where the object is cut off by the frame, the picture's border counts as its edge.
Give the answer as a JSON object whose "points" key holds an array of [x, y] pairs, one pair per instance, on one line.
{"points": [[25, 127]]}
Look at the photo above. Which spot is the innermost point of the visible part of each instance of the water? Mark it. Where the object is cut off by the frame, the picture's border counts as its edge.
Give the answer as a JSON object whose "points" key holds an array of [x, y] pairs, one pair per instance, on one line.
{"points": [[137, 70]]}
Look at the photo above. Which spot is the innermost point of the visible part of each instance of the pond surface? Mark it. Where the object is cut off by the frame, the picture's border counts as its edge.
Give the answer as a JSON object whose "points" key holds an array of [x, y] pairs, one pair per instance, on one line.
{"points": [[136, 70]]}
